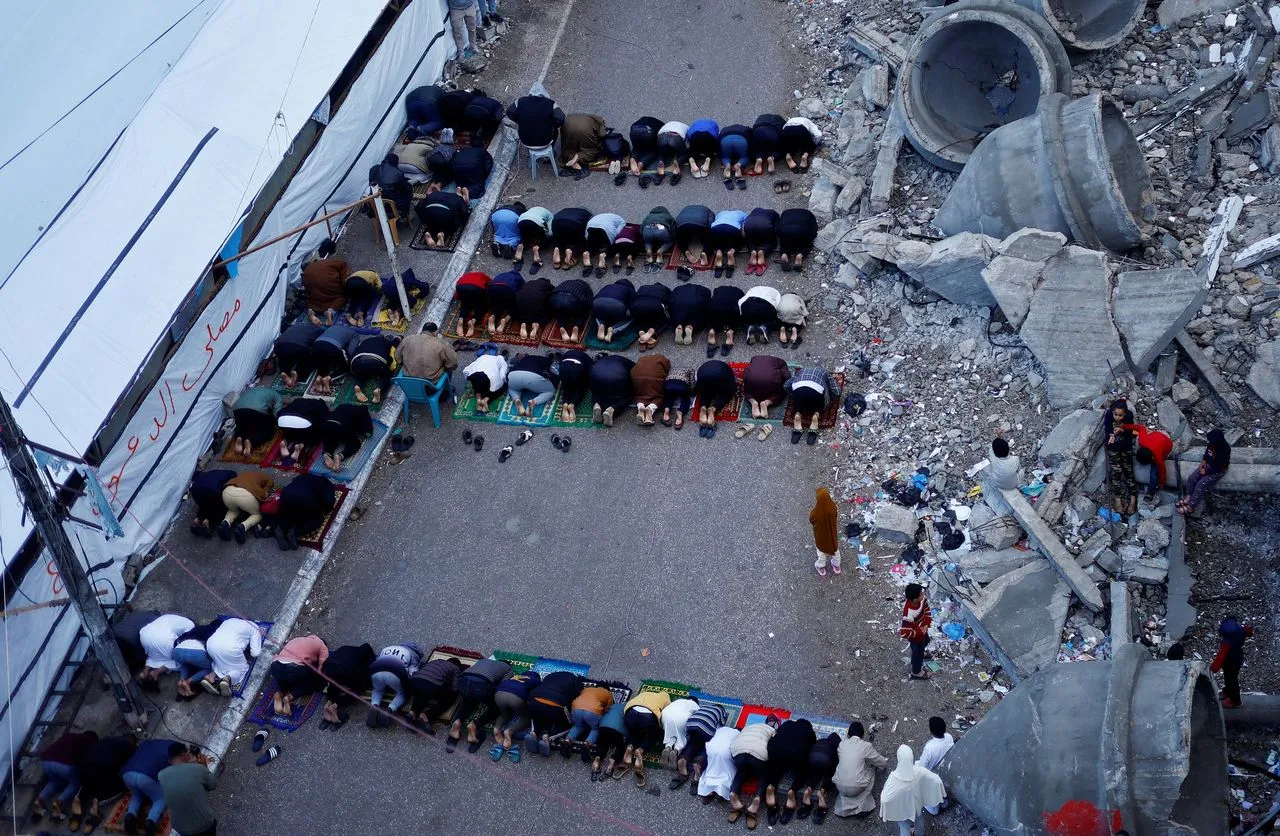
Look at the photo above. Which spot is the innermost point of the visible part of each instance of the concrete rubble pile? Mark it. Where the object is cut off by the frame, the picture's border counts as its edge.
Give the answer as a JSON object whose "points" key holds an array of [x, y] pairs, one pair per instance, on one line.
{"points": [[1029, 209]]}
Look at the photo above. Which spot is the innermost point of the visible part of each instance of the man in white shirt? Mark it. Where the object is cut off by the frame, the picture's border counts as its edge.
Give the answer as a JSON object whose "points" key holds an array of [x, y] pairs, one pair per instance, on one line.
{"points": [[157, 639], [939, 744], [227, 648], [1005, 467]]}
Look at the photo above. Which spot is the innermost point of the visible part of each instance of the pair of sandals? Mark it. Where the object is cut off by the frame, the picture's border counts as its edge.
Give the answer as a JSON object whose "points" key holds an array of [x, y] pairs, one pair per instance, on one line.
{"points": [[782, 187], [788, 267], [725, 271], [401, 443], [647, 180], [810, 437], [587, 269], [753, 819], [561, 442], [475, 441], [730, 182], [329, 725], [496, 752], [723, 349], [576, 173], [707, 432]]}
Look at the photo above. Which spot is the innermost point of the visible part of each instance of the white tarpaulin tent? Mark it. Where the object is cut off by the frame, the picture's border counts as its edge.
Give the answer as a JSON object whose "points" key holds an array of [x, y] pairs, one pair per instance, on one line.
{"points": [[87, 305]]}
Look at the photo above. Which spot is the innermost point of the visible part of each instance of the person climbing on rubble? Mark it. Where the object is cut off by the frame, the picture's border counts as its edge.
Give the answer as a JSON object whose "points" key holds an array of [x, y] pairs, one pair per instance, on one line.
{"points": [[1230, 659], [1004, 466], [1214, 465], [1154, 448], [1121, 483]]}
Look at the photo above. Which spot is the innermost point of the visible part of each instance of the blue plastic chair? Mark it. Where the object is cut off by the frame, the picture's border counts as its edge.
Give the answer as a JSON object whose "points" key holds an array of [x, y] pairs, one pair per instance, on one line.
{"points": [[421, 390]]}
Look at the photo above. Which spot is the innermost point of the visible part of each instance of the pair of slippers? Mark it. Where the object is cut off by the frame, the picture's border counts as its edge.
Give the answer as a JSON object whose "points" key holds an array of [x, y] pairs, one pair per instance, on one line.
{"points": [[561, 442], [730, 182], [522, 439], [496, 752], [401, 443], [725, 272], [619, 178], [683, 272], [756, 269], [587, 270], [724, 350], [788, 267], [810, 437], [329, 725], [576, 173], [707, 432], [782, 187], [656, 179], [260, 740], [476, 441]]}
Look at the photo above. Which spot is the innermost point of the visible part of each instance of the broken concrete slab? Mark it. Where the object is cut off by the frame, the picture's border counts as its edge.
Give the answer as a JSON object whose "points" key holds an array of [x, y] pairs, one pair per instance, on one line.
{"points": [[1069, 327], [1033, 244], [895, 524], [850, 194], [1075, 436], [1208, 83], [1046, 542], [874, 45], [1151, 307], [1172, 11], [875, 87], [1239, 478], [985, 567], [1208, 372], [822, 200], [836, 173], [905, 253], [1012, 283], [954, 269], [1122, 627], [1020, 616], [1215, 241], [1180, 616], [887, 162], [1264, 374], [1001, 532], [1257, 252], [1139, 569]]}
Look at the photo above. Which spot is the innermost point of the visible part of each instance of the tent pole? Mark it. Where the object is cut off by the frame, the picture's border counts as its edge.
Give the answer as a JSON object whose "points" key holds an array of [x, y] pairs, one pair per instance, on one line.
{"points": [[324, 219], [381, 211]]}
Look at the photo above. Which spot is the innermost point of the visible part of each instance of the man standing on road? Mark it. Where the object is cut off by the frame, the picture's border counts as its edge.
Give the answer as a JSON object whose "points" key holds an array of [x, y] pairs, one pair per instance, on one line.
{"points": [[462, 17], [186, 785]]}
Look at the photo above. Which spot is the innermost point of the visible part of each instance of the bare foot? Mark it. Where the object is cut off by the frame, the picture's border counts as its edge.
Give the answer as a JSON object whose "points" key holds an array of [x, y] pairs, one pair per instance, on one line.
{"points": [[361, 396]]}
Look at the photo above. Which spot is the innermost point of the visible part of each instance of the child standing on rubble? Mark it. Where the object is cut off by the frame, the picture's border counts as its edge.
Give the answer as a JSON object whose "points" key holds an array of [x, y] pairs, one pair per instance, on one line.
{"points": [[1230, 659]]}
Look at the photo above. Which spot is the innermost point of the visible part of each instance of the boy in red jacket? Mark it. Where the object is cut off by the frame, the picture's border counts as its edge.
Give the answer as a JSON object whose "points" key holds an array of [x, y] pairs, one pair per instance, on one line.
{"points": [[916, 619], [1153, 448], [1230, 659]]}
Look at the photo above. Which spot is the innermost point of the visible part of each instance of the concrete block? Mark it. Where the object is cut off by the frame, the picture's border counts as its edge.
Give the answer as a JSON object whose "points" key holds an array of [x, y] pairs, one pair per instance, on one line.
{"points": [[906, 254], [1172, 11], [1166, 370], [822, 200], [1012, 282], [1153, 534], [1180, 616], [1074, 437], [895, 524], [834, 233], [886, 164], [1170, 417], [1020, 616], [1069, 327], [1122, 628], [875, 86], [1097, 543], [954, 269], [1151, 307], [1046, 542], [850, 193], [1208, 372], [857, 257], [1264, 374], [834, 172], [1033, 244], [985, 567]]}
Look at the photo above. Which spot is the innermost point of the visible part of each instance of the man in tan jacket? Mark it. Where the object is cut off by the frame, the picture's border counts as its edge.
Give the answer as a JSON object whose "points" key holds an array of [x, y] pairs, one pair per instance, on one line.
{"points": [[426, 355], [856, 773], [244, 494]]}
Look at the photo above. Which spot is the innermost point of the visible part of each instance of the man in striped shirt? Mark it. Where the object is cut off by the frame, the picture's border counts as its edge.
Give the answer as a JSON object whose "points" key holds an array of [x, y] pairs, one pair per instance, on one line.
{"points": [[700, 728]]}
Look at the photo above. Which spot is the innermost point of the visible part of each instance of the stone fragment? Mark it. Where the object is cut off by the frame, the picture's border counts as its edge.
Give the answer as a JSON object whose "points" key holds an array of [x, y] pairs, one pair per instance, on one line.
{"points": [[1134, 93], [822, 200], [1033, 244], [1185, 393], [1069, 326], [1152, 306], [984, 567], [1084, 507], [954, 268], [850, 193], [1238, 307], [1153, 534], [875, 87], [811, 108], [1074, 436], [895, 524], [1170, 418], [1264, 374]]}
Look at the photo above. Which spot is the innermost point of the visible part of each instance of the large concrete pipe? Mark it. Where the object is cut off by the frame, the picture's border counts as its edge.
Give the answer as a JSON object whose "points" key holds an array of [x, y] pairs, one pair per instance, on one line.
{"points": [[1073, 167], [973, 67], [1096, 747], [1088, 25]]}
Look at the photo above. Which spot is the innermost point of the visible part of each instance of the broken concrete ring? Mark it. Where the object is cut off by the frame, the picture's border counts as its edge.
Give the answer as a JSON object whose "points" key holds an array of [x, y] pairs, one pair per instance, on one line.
{"points": [[1092, 747], [1074, 167], [973, 67], [1088, 25]]}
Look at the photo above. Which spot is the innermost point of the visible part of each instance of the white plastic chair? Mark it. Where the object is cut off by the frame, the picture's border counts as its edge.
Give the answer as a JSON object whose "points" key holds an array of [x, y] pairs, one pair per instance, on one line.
{"points": [[543, 152]]}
